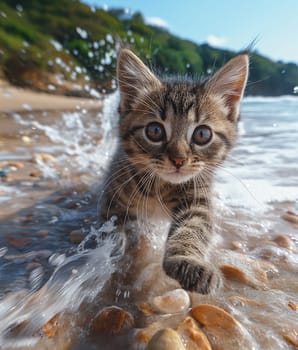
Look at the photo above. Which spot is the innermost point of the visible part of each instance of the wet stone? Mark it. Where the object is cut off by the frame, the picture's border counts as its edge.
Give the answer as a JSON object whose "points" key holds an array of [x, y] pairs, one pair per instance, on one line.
{"points": [[165, 339], [235, 274], [15, 164], [285, 242], [193, 337], [293, 306], [3, 173], [292, 337], [145, 334], [44, 158], [43, 233], [171, 302], [223, 330], [26, 139], [239, 246], [18, 242], [112, 320], [212, 316], [35, 174], [60, 199], [73, 205], [291, 217], [76, 236], [239, 300], [146, 309], [244, 269]]}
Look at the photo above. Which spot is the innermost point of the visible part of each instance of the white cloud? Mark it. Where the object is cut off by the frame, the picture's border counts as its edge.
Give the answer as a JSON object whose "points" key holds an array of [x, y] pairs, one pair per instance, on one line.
{"points": [[157, 22], [214, 40]]}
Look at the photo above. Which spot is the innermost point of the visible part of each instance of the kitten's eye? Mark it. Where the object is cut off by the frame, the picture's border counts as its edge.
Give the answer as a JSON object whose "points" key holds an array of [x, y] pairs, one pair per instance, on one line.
{"points": [[202, 135], [155, 132]]}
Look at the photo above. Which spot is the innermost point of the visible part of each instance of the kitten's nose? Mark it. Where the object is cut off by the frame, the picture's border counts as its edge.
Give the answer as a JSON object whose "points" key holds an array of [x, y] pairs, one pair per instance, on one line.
{"points": [[178, 160]]}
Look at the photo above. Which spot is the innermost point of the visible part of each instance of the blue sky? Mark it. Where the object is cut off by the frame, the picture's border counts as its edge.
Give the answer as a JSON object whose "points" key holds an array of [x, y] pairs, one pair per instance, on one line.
{"points": [[231, 24]]}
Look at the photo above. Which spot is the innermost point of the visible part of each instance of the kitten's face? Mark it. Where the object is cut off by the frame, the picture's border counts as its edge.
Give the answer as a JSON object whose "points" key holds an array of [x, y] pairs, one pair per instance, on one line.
{"points": [[177, 130]]}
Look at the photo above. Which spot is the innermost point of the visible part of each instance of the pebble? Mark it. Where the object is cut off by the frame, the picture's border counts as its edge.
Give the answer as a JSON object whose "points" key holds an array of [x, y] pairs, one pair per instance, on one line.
{"points": [[143, 337], [293, 306], [26, 139], [245, 269], [3, 173], [18, 242], [233, 273], [76, 236], [35, 174], [292, 337], [145, 308], [239, 246], [174, 301], [112, 320], [165, 339], [73, 205], [60, 199], [44, 158], [237, 299], [211, 316], [15, 164], [193, 337], [43, 233], [223, 330], [145, 334], [285, 242], [290, 216]]}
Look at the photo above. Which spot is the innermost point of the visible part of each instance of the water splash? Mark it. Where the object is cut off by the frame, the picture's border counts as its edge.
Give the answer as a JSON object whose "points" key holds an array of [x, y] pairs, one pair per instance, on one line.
{"points": [[87, 140], [79, 279]]}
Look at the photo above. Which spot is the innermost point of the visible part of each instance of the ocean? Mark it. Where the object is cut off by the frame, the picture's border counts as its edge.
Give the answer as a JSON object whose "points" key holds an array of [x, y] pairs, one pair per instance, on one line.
{"points": [[43, 271]]}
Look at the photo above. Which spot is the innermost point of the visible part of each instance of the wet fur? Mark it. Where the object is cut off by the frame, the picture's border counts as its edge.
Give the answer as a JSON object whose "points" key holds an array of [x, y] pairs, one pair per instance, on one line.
{"points": [[144, 182]]}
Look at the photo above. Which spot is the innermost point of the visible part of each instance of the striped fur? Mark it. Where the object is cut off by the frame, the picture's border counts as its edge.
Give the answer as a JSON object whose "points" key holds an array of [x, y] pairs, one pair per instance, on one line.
{"points": [[164, 164]]}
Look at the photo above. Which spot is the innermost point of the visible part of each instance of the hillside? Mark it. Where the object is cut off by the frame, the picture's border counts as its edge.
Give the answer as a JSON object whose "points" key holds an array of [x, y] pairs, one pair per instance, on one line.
{"points": [[64, 46]]}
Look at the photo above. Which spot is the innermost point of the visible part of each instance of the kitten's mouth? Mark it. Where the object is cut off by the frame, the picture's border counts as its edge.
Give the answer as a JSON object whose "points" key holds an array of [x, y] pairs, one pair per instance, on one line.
{"points": [[177, 176]]}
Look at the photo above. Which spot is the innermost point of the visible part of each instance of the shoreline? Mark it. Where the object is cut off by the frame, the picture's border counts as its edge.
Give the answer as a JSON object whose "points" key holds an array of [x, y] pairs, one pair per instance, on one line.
{"points": [[14, 99]]}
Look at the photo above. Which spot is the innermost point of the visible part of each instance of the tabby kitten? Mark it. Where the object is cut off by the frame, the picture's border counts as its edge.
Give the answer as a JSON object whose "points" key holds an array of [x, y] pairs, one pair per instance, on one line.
{"points": [[174, 133]]}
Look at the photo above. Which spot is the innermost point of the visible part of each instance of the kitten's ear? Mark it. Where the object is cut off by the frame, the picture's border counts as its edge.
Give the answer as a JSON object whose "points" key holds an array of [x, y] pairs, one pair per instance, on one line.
{"points": [[230, 81], [133, 77]]}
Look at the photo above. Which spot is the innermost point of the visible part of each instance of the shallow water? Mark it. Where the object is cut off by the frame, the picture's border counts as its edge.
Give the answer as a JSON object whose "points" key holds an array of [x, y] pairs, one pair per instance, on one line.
{"points": [[54, 164]]}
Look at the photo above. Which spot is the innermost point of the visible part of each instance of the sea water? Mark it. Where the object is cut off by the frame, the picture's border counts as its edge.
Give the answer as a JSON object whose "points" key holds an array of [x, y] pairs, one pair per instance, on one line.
{"points": [[52, 275]]}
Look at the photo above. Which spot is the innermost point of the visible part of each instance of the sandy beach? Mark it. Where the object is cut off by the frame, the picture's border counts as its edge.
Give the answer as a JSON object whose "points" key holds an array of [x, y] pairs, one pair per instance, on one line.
{"points": [[14, 99]]}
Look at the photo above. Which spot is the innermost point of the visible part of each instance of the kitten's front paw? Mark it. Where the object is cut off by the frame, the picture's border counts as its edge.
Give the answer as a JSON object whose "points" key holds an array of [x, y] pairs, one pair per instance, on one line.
{"points": [[193, 276]]}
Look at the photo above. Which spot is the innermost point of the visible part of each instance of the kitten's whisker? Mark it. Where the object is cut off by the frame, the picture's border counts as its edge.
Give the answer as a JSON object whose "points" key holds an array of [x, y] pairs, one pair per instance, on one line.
{"points": [[113, 178], [150, 184], [119, 189], [235, 160], [159, 198], [140, 214], [241, 182], [133, 196]]}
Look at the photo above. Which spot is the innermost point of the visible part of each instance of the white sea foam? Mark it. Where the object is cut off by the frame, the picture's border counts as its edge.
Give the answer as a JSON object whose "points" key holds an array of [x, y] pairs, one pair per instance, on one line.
{"points": [[269, 99]]}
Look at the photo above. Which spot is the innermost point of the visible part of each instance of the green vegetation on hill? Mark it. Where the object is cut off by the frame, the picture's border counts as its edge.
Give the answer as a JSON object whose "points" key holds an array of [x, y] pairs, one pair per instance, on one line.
{"points": [[65, 46]]}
